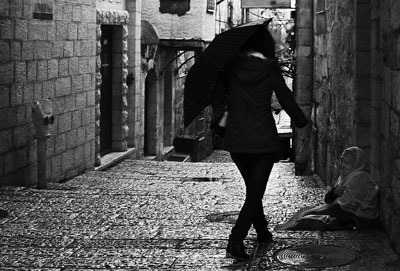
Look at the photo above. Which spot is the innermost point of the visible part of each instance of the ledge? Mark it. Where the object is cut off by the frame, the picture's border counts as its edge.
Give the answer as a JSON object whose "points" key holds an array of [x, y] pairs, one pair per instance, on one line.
{"points": [[113, 158]]}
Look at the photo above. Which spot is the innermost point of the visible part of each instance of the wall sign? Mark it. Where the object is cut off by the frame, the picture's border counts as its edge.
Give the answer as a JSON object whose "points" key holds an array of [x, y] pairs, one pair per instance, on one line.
{"points": [[111, 4], [42, 9], [266, 3]]}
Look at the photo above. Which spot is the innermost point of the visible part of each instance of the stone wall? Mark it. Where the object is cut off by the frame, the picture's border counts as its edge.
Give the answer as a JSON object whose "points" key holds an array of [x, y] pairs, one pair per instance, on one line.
{"points": [[180, 19], [356, 93], [385, 154], [333, 87], [302, 83], [135, 107], [41, 59]]}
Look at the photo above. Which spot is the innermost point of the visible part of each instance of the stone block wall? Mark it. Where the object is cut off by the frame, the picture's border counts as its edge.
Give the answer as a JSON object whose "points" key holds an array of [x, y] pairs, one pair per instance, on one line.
{"points": [[356, 94], [41, 59], [183, 19], [334, 90], [385, 113], [302, 83], [134, 121]]}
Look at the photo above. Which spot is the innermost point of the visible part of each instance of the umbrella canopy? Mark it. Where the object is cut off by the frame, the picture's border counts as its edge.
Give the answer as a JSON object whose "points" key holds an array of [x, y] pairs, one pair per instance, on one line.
{"points": [[204, 73]]}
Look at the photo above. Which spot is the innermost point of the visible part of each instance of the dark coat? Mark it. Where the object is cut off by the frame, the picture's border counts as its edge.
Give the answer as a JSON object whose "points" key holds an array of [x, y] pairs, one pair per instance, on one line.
{"points": [[250, 82]]}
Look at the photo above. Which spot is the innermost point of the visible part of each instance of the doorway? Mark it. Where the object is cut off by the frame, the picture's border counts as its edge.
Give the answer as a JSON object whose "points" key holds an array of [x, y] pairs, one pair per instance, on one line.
{"points": [[111, 106], [106, 89]]}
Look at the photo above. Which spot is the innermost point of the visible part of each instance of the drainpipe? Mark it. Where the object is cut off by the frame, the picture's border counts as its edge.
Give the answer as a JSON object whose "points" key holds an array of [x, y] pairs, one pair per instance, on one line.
{"points": [[42, 117]]}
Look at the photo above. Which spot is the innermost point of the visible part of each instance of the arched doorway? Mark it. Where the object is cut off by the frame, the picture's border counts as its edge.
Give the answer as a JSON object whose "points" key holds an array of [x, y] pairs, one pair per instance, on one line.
{"points": [[150, 114]]}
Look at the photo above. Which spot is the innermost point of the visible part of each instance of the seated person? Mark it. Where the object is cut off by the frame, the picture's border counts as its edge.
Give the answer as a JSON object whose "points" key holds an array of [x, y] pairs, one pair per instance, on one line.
{"points": [[351, 204]]}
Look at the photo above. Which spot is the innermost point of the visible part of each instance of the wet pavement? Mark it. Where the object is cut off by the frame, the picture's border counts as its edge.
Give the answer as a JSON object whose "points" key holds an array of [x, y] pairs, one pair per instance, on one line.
{"points": [[146, 215]]}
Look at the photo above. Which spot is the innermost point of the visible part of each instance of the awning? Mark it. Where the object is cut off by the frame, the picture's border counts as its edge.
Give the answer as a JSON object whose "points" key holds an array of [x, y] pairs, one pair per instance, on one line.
{"points": [[149, 35]]}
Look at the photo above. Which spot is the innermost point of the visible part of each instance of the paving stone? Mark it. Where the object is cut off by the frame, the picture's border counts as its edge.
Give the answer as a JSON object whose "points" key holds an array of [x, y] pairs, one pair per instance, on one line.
{"points": [[147, 215], [27, 257]]}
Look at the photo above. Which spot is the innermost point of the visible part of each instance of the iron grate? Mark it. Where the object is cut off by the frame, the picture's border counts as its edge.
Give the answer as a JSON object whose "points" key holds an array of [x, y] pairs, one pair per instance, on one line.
{"points": [[316, 256]]}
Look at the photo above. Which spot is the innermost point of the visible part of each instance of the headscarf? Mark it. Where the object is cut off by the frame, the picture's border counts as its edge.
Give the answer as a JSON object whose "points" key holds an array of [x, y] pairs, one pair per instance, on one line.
{"points": [[361, 195], [356, 158]]}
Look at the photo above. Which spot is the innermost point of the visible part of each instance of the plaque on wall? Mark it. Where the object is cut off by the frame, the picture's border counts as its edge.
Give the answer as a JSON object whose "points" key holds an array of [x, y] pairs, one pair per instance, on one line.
{"points": [[42, 9]]}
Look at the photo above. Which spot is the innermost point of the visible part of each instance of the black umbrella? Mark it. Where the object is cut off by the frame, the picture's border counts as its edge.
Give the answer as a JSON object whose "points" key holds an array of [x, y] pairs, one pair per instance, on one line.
{"points": [[204, 73]]}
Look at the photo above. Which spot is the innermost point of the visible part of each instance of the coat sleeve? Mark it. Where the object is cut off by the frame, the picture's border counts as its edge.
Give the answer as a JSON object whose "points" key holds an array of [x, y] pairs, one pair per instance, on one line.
{"points": [[219, 93], [286, 99]]}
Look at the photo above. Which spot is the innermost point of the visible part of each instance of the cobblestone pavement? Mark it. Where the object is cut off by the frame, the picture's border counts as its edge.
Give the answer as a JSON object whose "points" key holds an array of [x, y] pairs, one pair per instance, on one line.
{"points": [[143, 215]]}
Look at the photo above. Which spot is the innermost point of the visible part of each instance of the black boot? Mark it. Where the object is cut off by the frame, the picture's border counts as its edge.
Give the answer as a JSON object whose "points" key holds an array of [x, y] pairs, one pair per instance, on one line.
{"points": [[264, 237], [236, 250]]}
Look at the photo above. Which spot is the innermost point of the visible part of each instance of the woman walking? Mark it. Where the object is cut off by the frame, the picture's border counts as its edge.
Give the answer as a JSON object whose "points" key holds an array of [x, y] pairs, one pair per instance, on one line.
{"points": [[250, 134]]}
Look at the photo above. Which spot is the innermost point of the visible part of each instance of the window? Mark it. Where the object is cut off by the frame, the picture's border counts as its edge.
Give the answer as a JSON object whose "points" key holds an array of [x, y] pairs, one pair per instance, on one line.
{"points": [[210, 6], [179, 7]]}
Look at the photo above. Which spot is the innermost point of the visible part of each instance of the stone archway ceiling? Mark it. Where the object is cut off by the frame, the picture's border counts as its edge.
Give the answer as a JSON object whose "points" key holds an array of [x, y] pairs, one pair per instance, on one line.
{"points": [[149, 34]]}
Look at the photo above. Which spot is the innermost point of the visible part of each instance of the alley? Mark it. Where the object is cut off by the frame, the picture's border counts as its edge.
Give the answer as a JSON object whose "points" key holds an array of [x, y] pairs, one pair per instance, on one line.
{"points": [[145, 215]]}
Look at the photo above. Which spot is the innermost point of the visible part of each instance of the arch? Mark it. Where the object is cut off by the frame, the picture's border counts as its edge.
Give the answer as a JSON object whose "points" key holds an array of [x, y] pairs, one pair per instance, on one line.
{"points": [[149, 35]]}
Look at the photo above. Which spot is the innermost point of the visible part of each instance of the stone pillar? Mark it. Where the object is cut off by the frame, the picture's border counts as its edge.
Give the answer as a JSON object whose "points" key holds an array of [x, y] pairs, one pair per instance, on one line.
{"points": [[160, 105], [134, 71], [169, 95], [385, 113], [303, 81]]}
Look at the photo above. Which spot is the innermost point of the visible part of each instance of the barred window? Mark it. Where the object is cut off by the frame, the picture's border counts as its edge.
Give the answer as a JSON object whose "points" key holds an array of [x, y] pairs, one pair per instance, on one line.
{"points": [[210, 6]]}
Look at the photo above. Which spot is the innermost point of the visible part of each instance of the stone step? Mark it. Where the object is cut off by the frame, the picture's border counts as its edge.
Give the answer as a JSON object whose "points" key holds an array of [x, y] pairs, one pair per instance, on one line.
{"points": [[179, 157], [150, 158], [113, 158]]}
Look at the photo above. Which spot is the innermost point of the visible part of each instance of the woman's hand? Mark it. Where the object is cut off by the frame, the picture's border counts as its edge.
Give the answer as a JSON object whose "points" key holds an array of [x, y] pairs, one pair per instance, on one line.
{"points": [[339, 190], [305, 132]]}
